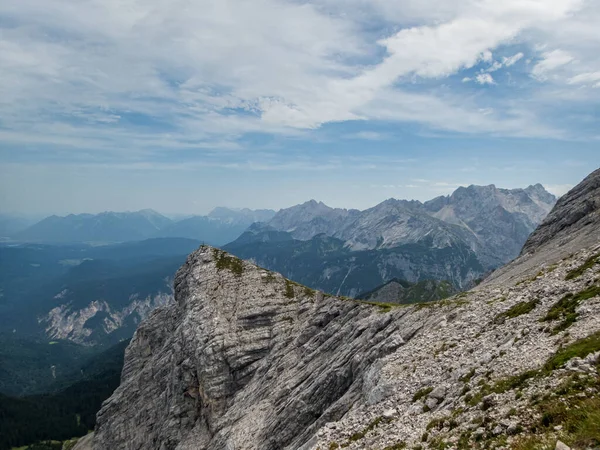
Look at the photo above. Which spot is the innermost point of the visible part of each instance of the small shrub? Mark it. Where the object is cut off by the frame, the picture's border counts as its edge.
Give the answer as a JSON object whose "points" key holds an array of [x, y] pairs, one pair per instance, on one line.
{"points": [[398, 446], [517, 310], [308, 292], [436, 423], [289, 289], [467, 377], [361, 434], [422, 393]]}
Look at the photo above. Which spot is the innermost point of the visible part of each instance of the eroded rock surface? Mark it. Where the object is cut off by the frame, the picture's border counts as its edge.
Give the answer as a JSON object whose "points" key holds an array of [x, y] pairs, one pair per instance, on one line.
{"points": [[243, 357]]}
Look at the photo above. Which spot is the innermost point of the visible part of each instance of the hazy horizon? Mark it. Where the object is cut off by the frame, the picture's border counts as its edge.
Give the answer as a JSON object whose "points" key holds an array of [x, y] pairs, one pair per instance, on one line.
{"points": [[557, 190]]}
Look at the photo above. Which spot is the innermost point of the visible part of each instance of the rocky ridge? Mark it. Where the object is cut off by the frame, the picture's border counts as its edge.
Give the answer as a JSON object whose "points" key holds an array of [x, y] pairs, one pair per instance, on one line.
{"points": [[246, 359]]}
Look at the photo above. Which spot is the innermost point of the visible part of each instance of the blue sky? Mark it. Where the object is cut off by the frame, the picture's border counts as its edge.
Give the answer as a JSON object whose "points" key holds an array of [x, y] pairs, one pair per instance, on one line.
{"points": [[185, 105]]}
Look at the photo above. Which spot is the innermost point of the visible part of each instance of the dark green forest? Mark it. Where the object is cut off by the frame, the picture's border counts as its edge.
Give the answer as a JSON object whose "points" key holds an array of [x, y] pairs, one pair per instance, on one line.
{"points": [[68, 412]]}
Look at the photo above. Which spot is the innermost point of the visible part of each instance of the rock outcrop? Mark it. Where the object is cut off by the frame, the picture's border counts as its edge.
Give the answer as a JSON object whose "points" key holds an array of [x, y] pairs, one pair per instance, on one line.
{"points": [[246, 359], [244, 356]]}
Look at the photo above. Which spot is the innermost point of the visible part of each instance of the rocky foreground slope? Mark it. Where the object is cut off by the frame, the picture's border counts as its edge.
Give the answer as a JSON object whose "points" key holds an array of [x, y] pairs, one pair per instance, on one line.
{"points": [[246, 359]]}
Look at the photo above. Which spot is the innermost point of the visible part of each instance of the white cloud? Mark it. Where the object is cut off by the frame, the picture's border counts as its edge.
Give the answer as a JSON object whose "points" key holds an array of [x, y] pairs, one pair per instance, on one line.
{"points": [[585, 78], [494, 67], [551, 61], [511, 60], [484, 78], [368, 136], [205, 73]]}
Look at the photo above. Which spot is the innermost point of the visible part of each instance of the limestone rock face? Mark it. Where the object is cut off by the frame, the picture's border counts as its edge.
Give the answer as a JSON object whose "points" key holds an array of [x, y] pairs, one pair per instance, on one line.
{"points": [[243, 357]]}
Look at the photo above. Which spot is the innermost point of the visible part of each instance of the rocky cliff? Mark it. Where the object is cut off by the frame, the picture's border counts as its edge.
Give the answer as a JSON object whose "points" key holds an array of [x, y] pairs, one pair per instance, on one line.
{"points": [[246, 359]]}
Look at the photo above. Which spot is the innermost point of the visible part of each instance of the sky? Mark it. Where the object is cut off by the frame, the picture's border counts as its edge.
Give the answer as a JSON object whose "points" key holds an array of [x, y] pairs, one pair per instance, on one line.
{"points": [[181, 105]]}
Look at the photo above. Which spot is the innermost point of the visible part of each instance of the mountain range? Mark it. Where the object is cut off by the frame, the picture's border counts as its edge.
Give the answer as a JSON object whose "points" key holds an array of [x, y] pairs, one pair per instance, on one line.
{"points": [[220, 226], [458, 238]]}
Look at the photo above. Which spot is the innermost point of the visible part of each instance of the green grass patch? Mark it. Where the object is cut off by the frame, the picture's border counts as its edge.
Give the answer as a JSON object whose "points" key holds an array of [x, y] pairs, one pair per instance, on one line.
{"points": [[289, 289], [565, 308], [575, 411], [308, 292], [226, 261], [467, 377], [580, 349], [517, 310], [588, 264], [442, 422], [514, 382], [398, 446], [383, 307]]}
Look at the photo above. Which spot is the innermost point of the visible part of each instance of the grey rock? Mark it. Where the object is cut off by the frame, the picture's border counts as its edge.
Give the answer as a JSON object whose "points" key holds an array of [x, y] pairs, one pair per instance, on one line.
{"points": [[479, 432], [389, 413], [439, 393], [576, 210], [561, 446], [512, 429], [431, 402], [85, 443], [415, 408]]}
